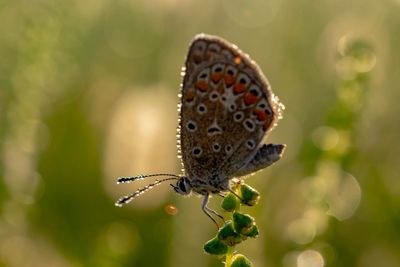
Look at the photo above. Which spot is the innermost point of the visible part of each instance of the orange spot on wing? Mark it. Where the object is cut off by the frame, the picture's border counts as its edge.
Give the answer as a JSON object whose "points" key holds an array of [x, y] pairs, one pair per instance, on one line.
{"points": [[267, 125], [249, 99], [190, 95], [202, 85], [239, 88], [261, 115], [238, 60], [216, 76], [229, 80]]}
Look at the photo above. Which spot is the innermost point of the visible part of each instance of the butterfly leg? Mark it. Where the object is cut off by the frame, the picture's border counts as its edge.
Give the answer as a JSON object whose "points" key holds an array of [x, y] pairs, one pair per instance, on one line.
{"points": [[234, 193], [207, 210], [222, 194]]}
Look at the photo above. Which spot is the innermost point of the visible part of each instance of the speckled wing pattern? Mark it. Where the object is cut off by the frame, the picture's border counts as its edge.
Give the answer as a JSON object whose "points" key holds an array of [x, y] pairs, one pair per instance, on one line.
{"points": [[226, 109]]}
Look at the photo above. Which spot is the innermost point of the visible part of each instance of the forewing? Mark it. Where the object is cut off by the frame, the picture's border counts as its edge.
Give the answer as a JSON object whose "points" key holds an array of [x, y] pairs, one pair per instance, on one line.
{"points": [[227, 107]]}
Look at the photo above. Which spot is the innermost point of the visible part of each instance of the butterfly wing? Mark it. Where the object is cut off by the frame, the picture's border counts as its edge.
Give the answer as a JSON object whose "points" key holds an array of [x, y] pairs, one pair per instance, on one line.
{"points": [[227, 107]]}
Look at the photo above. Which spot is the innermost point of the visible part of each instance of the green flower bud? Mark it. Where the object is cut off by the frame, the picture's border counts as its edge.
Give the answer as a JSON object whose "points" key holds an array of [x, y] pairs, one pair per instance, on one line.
{"points": [[215, 247], [253, 233], [249, 195], [230, 202], [228, 235], [243, 223], [241, 261]]}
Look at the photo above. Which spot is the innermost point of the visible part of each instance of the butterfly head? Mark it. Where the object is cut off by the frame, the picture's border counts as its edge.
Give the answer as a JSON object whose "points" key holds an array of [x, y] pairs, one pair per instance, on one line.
{"points": [[183, 186]]}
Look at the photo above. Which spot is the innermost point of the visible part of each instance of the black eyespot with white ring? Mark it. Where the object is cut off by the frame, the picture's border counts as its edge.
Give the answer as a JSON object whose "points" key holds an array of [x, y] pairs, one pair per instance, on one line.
{"points": [[264, 106], [214, 96], [249, 125], [197, 151], [243, 79], [250, 144], [216, 74], [219, 67], [191, 126], [228, 149], [230, 77], [238, 116], [216, 147], [232, 107], [230, 70], [255, 90], [201, 109], [204, 74]]}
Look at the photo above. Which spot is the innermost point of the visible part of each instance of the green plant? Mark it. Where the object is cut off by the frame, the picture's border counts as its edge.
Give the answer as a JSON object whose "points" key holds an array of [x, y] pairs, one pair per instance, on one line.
{"points": [[237, 228]]}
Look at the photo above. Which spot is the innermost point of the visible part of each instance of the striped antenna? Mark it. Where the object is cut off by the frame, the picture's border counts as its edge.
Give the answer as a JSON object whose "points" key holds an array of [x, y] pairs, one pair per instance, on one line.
{"points": [[122, 180], [128, 198]]}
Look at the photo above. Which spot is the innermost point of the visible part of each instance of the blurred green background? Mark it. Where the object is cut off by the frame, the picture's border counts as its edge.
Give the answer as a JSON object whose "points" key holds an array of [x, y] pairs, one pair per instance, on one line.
{"points": [[88, 92]]}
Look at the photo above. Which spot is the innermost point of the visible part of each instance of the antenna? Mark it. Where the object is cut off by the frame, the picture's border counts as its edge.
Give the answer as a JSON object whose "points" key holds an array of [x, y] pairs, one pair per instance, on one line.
{"points": [[122, 180], [128, 198]]}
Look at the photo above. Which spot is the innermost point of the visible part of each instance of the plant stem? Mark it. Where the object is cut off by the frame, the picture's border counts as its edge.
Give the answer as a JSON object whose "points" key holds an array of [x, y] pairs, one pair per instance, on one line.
{"points": [[231, 249], [229, 256]]}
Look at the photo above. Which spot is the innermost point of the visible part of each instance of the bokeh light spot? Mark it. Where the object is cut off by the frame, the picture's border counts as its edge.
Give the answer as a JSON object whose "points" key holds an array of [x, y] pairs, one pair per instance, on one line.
{"points": [[136, 143], [171, 209], [345, 198], [122, 237], [325, 138], [310, 258], [301, 231], [253, 13]]}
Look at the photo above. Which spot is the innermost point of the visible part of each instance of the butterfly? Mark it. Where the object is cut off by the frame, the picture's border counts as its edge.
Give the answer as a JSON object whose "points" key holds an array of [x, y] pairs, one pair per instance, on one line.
{"points": [[226, 109]]}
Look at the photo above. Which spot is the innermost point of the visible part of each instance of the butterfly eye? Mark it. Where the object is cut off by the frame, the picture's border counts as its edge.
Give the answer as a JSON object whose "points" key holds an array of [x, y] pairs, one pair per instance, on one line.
{"points": [[183, 186]]}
